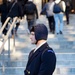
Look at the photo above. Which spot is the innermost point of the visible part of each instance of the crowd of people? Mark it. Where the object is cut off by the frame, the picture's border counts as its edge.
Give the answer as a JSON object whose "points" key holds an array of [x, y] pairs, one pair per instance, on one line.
{"points": [[10, 9], [55, 11], [18, 8]]}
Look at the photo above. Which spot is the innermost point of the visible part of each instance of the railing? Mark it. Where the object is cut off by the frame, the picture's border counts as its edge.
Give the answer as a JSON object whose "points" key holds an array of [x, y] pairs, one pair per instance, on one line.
{"points": [[4, 25], [8, 33], [4, 41]]}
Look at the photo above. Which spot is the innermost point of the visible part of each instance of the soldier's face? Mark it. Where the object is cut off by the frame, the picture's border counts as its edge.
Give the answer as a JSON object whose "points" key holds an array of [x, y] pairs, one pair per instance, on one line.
{"points": [[32, 37]]}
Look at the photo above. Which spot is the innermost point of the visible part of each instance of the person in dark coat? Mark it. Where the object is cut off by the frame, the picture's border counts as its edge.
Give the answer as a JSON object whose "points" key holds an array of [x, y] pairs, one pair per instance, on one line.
{"points": [[42, 59], [4, 12], [67, 11], [30, 10], [15, 11]]}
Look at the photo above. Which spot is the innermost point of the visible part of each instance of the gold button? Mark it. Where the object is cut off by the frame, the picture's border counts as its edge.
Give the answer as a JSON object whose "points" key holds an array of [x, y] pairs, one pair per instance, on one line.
{"points": [[28, 72]]}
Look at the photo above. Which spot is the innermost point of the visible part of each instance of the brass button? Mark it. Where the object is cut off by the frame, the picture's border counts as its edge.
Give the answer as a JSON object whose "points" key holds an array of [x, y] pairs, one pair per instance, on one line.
{"points": [[28, 72]]}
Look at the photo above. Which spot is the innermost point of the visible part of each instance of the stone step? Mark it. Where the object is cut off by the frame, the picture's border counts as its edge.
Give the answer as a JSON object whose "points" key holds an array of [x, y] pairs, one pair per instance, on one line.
{"points": [[12, 71], [25, 50], [64, 71], [14, 56], [25, 27], [58, 44], [20, 71], [65, 32], [56, 48], [22, 63], [64, 50], [65, 56], [52, 38], [24, 57], [64, 63], [14, 63], [65, 29]]}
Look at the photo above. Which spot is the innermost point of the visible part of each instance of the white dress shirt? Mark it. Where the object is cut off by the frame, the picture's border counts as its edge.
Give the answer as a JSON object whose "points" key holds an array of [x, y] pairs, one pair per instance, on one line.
{"points": [[39, 45]]}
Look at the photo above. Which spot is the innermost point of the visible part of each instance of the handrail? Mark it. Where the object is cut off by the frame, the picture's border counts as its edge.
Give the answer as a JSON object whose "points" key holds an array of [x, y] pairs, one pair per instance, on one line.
{"points": [[8, 33], [4, 25]]}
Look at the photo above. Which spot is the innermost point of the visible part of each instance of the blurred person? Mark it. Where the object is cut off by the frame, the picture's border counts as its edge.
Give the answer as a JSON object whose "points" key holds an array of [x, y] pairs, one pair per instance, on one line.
{"points": [[4, 12], [42, 59], [67, 11], [31, 12], [22, 3], [48, 8], [59, 17], [15, 11]]}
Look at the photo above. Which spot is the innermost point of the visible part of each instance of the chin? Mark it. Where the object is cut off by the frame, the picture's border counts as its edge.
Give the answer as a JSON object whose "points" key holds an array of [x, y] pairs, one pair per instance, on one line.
{"points": [[33, 43]]}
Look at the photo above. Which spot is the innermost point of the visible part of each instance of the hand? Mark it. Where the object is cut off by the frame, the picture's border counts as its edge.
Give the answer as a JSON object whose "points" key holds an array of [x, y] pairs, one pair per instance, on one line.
{"points": [[72, 10]]}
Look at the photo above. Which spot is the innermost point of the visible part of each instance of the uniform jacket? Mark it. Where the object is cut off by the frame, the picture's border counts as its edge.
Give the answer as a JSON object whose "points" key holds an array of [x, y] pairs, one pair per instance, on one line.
{"points": [[4, 12], [35, 14], [15, 10], [42, 62]]}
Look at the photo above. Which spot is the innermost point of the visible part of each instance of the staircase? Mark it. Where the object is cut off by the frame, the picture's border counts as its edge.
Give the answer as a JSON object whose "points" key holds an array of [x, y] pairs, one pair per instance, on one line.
{"points": [[63, 45]]}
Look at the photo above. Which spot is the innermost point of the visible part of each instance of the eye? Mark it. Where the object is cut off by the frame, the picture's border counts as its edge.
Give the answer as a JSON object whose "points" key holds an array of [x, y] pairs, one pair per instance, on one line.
{"points": [[32, 33]]}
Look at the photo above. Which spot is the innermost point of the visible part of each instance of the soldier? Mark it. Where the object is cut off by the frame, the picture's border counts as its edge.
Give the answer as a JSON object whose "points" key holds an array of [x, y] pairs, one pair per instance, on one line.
{"points": [[42, 60]]}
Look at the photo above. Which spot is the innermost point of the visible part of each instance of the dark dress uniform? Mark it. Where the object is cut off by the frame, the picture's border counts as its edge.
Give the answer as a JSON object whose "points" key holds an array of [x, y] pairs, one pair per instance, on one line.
{"points": [[41, 62]]}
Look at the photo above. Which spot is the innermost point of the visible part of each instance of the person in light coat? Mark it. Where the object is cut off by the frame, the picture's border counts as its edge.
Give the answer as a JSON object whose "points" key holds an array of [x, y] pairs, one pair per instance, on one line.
{"points": [[59, 17]]}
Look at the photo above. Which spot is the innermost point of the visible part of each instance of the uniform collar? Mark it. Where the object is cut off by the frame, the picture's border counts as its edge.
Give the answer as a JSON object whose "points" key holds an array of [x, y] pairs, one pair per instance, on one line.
{"points": [[39, 46]]}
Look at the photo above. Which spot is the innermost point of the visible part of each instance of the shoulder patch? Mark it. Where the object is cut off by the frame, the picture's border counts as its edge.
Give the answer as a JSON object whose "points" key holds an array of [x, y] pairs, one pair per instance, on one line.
{"points": [[50, 51]]}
